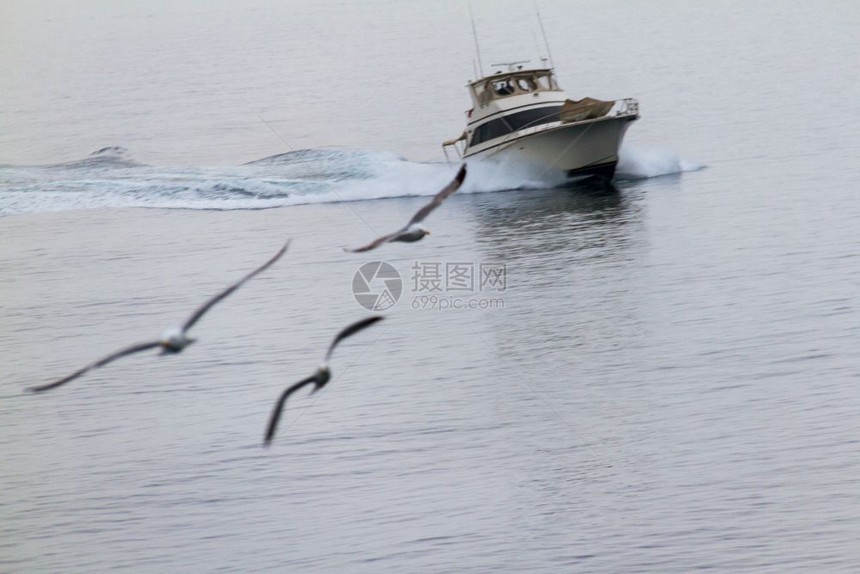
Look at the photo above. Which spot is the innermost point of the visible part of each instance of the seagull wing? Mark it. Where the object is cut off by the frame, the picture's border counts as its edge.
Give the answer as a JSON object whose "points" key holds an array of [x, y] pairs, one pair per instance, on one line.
{"points": [[351, 330], [439, 197], [376, 243], [101, 362], [208, 305], [279, 407], [421, 214]]}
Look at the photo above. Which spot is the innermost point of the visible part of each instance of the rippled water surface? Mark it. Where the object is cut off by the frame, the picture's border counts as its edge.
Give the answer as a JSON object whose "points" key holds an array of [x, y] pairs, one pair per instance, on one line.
{"points": [[668, 381]]}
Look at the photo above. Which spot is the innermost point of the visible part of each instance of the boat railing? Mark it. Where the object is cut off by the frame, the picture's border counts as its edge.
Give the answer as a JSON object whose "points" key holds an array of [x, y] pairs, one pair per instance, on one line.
{"points": [[460, 149]]}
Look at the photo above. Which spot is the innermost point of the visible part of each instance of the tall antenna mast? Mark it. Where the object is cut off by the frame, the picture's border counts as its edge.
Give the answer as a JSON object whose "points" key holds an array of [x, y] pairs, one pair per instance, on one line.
{"points": [[537, 49], [543, 33], [475, 36]]}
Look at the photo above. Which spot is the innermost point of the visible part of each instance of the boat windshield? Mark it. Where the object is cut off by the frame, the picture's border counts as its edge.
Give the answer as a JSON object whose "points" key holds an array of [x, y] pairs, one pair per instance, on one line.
{"points": [[503, 85]]}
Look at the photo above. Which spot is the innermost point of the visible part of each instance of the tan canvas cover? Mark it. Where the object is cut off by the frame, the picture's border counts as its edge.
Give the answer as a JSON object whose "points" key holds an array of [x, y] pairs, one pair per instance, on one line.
{"points": [[584, 109]]}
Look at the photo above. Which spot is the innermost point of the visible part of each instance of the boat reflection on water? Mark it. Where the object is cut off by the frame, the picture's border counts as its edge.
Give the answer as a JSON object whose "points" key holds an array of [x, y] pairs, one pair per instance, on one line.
{"points": [[572, 261], [562, 225]]}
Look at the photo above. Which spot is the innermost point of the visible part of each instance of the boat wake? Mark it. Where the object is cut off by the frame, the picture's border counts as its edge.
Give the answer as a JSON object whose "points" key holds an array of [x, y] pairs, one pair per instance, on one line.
{"points": [[637, 163], [110, 177]]}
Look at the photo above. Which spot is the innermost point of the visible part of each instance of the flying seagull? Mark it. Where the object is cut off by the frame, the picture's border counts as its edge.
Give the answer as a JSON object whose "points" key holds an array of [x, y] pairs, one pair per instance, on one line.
{"points": [[173, 340], [413, 231], [319, 378]]}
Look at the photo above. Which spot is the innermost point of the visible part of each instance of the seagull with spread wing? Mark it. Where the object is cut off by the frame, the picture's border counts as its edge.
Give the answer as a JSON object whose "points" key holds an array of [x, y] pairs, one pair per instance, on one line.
{"points": [[173, 340], [414, 231], [319, 378]]}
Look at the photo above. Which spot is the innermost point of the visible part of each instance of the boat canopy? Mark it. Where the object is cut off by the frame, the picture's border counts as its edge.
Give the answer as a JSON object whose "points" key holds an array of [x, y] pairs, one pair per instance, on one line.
{"points": [[504, 84]]}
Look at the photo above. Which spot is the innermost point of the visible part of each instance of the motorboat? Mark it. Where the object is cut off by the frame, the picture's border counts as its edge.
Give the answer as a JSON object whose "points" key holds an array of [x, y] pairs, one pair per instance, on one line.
{"points": [[521, 117]]}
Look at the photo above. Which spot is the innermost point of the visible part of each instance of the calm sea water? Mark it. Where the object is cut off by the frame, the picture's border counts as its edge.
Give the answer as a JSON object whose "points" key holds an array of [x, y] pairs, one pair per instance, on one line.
{"points": [[668, 381]]}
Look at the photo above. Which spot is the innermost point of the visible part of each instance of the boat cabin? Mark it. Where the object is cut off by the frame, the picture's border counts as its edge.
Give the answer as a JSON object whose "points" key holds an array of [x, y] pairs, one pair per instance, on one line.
{"points": [[505, 84]]}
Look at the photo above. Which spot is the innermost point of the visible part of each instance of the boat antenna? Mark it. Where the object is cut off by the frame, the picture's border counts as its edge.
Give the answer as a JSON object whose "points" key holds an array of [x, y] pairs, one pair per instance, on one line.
{"points": [[475, 36], [537, 47], [543, 33]]}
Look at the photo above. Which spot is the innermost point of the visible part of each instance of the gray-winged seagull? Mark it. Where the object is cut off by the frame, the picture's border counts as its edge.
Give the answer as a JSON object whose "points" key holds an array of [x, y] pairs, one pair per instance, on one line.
{"points": [[319, 378], [173, 340], [413, 231]]}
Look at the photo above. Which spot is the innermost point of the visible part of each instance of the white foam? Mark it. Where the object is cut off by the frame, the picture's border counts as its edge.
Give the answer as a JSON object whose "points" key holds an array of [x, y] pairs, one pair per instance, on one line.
{"points": [[639, 163], [307, 177]]}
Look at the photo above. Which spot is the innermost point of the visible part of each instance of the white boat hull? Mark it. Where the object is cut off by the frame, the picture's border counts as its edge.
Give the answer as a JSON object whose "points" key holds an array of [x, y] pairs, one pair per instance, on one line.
{"points": [[569, 151]]}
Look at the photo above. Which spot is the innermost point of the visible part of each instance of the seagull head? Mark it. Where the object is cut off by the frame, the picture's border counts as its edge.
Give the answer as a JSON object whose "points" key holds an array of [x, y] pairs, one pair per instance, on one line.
{"points": [[174, 340], [322, 376]]}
